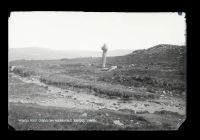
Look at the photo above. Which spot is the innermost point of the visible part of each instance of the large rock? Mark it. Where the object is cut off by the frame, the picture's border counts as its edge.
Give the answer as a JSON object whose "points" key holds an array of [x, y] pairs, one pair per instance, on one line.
{"points": [[117, 122]]}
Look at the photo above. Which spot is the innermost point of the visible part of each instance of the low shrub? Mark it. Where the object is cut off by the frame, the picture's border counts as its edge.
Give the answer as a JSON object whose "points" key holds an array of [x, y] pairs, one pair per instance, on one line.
{"points": [[24, 72], [99, 87], [151, 82]]}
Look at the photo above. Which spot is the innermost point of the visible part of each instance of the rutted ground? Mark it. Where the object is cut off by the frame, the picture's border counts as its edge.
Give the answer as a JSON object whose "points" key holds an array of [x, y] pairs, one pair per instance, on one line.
{"points": [[50, 96]]}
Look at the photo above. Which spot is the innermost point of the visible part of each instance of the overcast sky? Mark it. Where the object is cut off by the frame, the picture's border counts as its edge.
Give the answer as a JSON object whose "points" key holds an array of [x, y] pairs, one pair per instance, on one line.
{"points": [[90, 30]]}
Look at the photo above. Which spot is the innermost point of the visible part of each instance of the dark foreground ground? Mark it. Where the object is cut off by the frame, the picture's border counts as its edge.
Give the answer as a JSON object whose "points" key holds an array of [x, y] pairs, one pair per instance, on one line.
{"points": [[35, 117]]}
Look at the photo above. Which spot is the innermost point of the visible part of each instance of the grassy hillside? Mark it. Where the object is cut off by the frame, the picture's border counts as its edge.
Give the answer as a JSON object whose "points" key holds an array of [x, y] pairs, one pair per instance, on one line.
{"points": [[156, 69], [163, 55]]}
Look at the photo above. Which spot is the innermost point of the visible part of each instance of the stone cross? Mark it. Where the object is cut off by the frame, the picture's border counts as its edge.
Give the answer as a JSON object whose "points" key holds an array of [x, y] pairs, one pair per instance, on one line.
{"points": [[105, 49]]}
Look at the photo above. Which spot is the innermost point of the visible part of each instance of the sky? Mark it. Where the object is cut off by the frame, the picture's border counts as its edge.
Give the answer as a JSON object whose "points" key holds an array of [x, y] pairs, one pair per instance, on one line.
{"points": [[90, 30]]}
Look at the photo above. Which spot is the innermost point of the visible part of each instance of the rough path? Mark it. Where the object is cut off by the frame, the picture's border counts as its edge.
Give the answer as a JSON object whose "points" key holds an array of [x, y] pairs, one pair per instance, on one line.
{"points": [[71, 99]]}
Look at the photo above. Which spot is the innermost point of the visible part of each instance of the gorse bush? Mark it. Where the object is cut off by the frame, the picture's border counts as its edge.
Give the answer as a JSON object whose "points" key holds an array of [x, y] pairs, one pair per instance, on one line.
{"points": [[24, 72]]}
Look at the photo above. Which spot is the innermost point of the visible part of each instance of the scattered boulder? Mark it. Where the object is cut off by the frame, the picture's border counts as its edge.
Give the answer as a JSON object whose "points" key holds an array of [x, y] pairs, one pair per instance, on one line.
{"points": [[43, 101], [105, 69], [84, 114], [117, 122], [131, 65], [137, 123], [112, 68], [12, 68]]}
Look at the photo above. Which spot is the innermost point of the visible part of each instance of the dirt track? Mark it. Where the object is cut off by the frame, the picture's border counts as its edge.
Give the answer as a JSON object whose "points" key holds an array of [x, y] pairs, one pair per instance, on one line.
{"points": [[70, 99], [57, 97]]}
